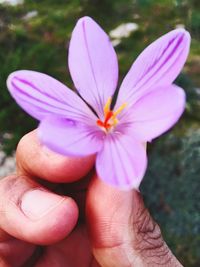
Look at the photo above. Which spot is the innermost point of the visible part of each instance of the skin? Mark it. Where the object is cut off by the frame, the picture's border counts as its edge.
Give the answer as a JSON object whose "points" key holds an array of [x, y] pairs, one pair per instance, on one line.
{"points": [[55, 212]]}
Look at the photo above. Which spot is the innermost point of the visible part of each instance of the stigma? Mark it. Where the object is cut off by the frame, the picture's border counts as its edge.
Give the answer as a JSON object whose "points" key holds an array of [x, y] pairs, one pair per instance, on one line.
{"points": [[110, 116]]}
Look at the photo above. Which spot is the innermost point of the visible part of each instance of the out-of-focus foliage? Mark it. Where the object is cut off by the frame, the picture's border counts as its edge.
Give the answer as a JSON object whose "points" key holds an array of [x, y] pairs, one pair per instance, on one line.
{"points": [[35, 36], [171, 190]]}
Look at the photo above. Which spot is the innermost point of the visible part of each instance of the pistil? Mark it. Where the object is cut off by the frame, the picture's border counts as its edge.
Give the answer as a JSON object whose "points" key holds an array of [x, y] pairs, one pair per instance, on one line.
{"points": [[110, 117]]}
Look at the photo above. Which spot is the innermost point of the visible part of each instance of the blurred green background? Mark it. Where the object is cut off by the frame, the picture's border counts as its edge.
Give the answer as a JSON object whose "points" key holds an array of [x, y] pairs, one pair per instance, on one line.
{"points": [[35, 34]]}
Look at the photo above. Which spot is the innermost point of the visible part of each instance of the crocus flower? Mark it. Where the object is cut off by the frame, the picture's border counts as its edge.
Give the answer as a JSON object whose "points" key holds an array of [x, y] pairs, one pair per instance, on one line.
{"points": [[147, 105]]}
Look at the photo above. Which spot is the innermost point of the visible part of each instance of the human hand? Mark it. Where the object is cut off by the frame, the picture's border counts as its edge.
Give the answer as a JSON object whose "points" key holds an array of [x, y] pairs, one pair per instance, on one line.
{"points": [[50, 217]]}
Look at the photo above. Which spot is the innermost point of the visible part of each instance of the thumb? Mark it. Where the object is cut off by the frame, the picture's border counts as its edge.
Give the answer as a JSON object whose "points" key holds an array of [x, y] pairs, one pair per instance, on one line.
{"points": [[122, 231], [31, 213]]}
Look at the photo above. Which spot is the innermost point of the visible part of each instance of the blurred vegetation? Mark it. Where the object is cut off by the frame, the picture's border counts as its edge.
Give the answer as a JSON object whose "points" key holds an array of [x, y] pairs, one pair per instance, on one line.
{"points": [[171, 186]]}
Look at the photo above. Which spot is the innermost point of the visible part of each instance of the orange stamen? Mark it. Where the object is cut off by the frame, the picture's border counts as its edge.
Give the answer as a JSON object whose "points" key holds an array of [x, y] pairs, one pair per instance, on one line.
{"points": [[110, 117], [100, 123]]}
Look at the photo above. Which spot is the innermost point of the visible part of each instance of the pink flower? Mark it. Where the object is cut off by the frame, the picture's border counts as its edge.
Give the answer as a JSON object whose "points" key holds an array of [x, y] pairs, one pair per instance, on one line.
{"points": [[147, 105]]}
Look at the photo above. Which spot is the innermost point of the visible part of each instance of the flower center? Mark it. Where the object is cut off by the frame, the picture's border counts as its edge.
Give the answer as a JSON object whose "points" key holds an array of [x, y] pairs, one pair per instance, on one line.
{"points": [[110, 116]]}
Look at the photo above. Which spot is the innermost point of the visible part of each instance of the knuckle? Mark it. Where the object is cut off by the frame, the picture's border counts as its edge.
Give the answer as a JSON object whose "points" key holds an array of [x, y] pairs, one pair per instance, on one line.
{"points": [[11, 189], [148, 241], [7, 191]]}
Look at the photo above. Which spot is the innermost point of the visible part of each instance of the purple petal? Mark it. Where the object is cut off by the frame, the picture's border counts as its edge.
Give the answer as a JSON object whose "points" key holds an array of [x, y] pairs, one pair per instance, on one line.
{"points": [[93, 63], [70, 138], [155, 113], [122, 162], [159, 64], [40, 95]]}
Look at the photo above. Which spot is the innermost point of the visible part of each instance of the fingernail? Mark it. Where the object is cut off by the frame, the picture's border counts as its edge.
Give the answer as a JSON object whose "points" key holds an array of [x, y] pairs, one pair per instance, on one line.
{"points": [[36, 203]]}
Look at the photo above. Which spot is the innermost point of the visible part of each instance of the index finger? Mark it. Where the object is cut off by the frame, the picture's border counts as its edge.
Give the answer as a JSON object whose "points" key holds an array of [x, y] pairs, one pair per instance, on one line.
{"points": [[36, 160]]}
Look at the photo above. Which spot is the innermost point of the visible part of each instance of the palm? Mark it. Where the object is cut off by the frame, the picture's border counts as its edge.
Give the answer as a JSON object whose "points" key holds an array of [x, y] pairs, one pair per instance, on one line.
{"points": [[74, 251]]}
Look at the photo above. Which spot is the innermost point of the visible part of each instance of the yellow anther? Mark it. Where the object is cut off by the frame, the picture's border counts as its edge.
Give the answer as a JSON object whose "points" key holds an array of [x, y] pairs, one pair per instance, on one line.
{"points": [[115, 121], [107, 106], [119, 110], [110, 117]]}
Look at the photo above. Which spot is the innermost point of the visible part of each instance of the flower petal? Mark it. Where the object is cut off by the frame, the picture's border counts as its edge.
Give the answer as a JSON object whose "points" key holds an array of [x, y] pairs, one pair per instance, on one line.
{"points": [[70, 138], [159, 64], [93, 63], [155, 113], [122, 162], [40, 95]]}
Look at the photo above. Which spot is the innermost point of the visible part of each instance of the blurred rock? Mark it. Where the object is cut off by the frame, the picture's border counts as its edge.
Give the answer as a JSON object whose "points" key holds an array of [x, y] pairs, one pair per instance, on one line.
{"points": [[180, 26], [12, 2], [7, 164], [124, 30], [116, 42], [30, 15]]}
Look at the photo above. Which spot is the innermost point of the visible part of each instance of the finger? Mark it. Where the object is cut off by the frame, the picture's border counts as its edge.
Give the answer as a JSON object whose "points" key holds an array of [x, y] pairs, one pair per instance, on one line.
{"points": [[66, 251], [31, 213], [122, 230], [36, 160], [15, 252], [3, 263]]}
